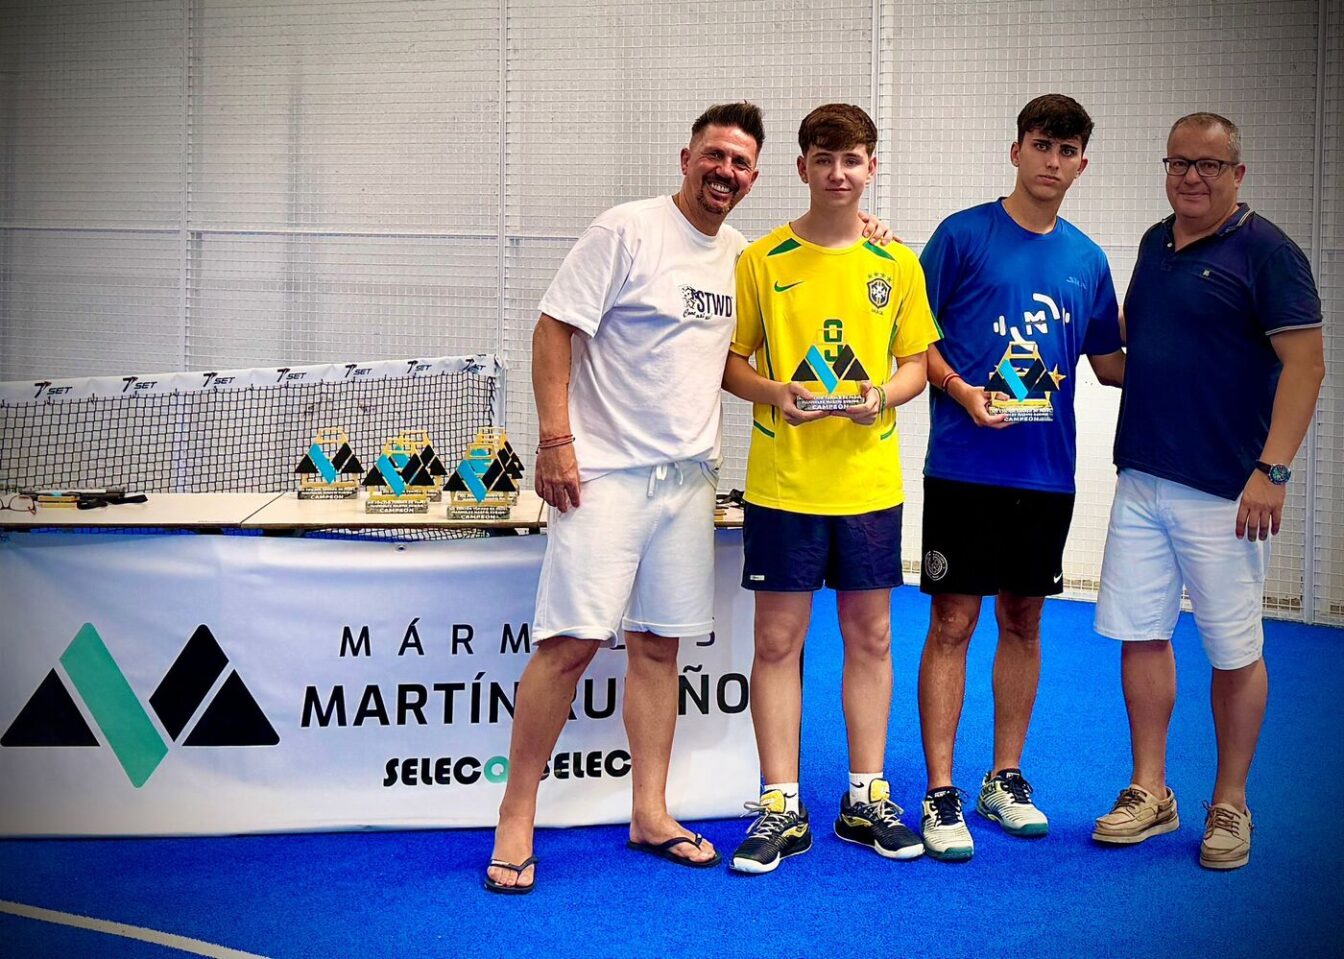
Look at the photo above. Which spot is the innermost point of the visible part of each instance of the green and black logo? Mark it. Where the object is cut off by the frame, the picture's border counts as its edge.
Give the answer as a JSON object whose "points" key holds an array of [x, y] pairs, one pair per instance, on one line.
{"points": [[231, 718]]}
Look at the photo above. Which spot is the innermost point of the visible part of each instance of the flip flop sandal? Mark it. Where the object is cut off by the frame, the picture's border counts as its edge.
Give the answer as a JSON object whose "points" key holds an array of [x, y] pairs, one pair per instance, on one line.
{"points": [[663, 850], [499, 887]]}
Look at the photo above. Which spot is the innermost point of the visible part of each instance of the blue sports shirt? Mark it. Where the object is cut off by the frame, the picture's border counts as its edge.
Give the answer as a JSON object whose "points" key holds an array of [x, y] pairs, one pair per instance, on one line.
{"points": [[1007, 297], [1201, 373]]}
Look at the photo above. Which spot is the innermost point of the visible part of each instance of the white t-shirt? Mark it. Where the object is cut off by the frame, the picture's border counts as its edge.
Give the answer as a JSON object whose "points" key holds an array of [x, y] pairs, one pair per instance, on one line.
{"points": [[654, 297]]}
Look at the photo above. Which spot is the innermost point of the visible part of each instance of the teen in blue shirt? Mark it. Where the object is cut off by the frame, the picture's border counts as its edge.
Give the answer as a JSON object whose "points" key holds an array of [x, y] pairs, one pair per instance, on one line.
{"points": [[1020, 295]]}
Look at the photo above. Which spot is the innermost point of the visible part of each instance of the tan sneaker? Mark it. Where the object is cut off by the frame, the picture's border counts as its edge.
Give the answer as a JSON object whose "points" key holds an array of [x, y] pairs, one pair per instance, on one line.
{"points": [[1227, 837], [1136, 815]]}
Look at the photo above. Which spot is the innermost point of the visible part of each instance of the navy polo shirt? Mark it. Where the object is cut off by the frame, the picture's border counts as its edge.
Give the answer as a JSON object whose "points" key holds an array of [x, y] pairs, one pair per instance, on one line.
{"points": [[1200, 374]]}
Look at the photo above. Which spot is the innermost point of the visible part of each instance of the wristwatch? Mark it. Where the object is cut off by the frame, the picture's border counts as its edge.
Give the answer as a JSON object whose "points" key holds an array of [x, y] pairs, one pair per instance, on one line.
{"points": [[1278, 474]]}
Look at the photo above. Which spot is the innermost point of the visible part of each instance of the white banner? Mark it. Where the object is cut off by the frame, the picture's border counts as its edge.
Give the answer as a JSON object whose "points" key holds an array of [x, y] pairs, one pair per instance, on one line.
{"points": [[196, 684]]}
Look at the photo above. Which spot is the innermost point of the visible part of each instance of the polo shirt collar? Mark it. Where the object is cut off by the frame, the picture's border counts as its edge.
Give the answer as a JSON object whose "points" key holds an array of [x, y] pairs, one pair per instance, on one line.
{"points": [[1240, 216]]}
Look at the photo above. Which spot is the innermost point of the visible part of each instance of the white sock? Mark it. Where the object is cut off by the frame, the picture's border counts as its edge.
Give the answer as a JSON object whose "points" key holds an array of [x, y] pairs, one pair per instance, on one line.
{"points": [[858, 786], [790, 791]]}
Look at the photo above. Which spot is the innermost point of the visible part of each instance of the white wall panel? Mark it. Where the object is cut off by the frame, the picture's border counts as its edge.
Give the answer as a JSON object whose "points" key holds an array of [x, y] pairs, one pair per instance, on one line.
{"points": [[220, 183], [601, 97]]}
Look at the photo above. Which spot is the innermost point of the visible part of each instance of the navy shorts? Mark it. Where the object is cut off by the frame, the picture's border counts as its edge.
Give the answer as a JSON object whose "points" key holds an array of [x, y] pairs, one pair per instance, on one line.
{"points": [[980, 540], [800, 552]]}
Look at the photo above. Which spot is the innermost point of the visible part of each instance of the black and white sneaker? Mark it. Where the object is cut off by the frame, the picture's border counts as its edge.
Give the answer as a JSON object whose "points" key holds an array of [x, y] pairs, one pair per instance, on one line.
{"points": [[774, 836], [877, 824]]}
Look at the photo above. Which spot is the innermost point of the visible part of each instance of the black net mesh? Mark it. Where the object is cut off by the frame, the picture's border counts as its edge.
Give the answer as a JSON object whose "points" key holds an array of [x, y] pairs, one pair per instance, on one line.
{"points": [[234, 441]]}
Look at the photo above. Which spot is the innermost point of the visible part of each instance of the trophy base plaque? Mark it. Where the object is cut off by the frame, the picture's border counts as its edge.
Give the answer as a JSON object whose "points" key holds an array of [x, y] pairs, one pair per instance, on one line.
{"points": [[828, 403], [335, 493], [417, 505], [475, 514], [1023, 412]]}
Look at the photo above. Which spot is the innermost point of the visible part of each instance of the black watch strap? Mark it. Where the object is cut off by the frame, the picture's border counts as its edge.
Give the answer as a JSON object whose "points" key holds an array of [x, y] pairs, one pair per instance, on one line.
{"points": [[1278, 474]]}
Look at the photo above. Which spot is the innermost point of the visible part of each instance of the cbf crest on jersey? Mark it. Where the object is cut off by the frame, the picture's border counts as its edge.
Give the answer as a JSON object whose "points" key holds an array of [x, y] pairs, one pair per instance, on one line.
{"points": [[879, 291]]}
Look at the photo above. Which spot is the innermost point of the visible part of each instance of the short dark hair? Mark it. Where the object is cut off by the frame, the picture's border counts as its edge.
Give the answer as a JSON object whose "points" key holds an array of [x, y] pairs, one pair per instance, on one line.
{"points": [[743, 115], [1204, 120], [1056, 116], [837, 126]]}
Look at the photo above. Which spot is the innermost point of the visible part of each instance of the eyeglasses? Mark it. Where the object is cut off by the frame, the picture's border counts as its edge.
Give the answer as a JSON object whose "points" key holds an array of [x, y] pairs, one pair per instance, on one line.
{"points": [[1207, 167], [9, 503]]}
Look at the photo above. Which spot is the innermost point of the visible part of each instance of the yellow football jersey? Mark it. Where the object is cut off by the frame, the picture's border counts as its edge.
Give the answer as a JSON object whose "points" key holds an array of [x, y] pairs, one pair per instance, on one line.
{"points": [[827, 318]]}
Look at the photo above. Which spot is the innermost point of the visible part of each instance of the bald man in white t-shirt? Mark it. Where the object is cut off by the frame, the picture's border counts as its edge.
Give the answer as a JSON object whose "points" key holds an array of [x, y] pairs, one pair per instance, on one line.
{"points": [[627, 360]]}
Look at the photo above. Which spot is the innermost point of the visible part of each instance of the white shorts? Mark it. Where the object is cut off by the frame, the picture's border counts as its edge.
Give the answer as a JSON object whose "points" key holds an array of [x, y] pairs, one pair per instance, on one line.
{"points": [[1163, 535], [637, 554]]}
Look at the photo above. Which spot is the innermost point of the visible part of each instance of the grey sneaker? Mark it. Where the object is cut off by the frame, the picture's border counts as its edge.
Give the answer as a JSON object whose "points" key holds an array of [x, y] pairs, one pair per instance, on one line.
{"points": [[1137, 815], [1227, 837]]}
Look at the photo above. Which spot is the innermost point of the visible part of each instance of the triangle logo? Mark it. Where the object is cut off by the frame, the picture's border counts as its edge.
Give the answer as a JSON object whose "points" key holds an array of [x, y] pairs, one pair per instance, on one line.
{"points": [[188, 681], [233, 718], [50, 718]]}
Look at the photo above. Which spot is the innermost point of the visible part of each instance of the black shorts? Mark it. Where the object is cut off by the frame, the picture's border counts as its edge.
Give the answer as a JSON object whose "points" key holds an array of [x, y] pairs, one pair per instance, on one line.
{"points": [[979, 540], [799, 552]]}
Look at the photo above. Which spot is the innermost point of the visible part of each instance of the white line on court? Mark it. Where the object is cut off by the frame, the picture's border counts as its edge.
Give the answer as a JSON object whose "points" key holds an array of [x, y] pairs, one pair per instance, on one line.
{"points": [[185, 944]]}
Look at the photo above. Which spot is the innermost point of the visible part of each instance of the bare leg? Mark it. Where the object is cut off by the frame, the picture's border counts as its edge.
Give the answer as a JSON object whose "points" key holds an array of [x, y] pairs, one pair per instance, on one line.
{"points": [[1239, 697], [541, 708], [942, 680], [865, 625], [776, 684], [1017, 673], [650, 723], [1148, 676]]}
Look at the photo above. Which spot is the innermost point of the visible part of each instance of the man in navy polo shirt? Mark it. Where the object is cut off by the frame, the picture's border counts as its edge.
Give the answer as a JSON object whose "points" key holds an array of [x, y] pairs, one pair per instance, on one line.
{"points": [[1224, 365]]}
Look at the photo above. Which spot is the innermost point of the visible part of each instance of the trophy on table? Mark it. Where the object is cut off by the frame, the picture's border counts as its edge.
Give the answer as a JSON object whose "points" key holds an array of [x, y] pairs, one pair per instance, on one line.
{"points": [[330, 469], [423, 469], [485, 483], [833, 365], [388, 490], [1024, 385]]}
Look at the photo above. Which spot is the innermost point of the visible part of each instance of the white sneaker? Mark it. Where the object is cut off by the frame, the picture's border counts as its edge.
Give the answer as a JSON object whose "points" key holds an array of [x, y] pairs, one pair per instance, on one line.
{"points": [[945, 834], [1006, 799]]}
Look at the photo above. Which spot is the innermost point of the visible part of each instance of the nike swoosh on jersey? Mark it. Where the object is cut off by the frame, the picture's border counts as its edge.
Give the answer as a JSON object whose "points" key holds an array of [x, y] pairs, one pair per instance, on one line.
{"points": [[786, 287]]}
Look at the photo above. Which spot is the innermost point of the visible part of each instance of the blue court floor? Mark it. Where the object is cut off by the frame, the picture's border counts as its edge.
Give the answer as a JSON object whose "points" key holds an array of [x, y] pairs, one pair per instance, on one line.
{"points": [[418, 893]]}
